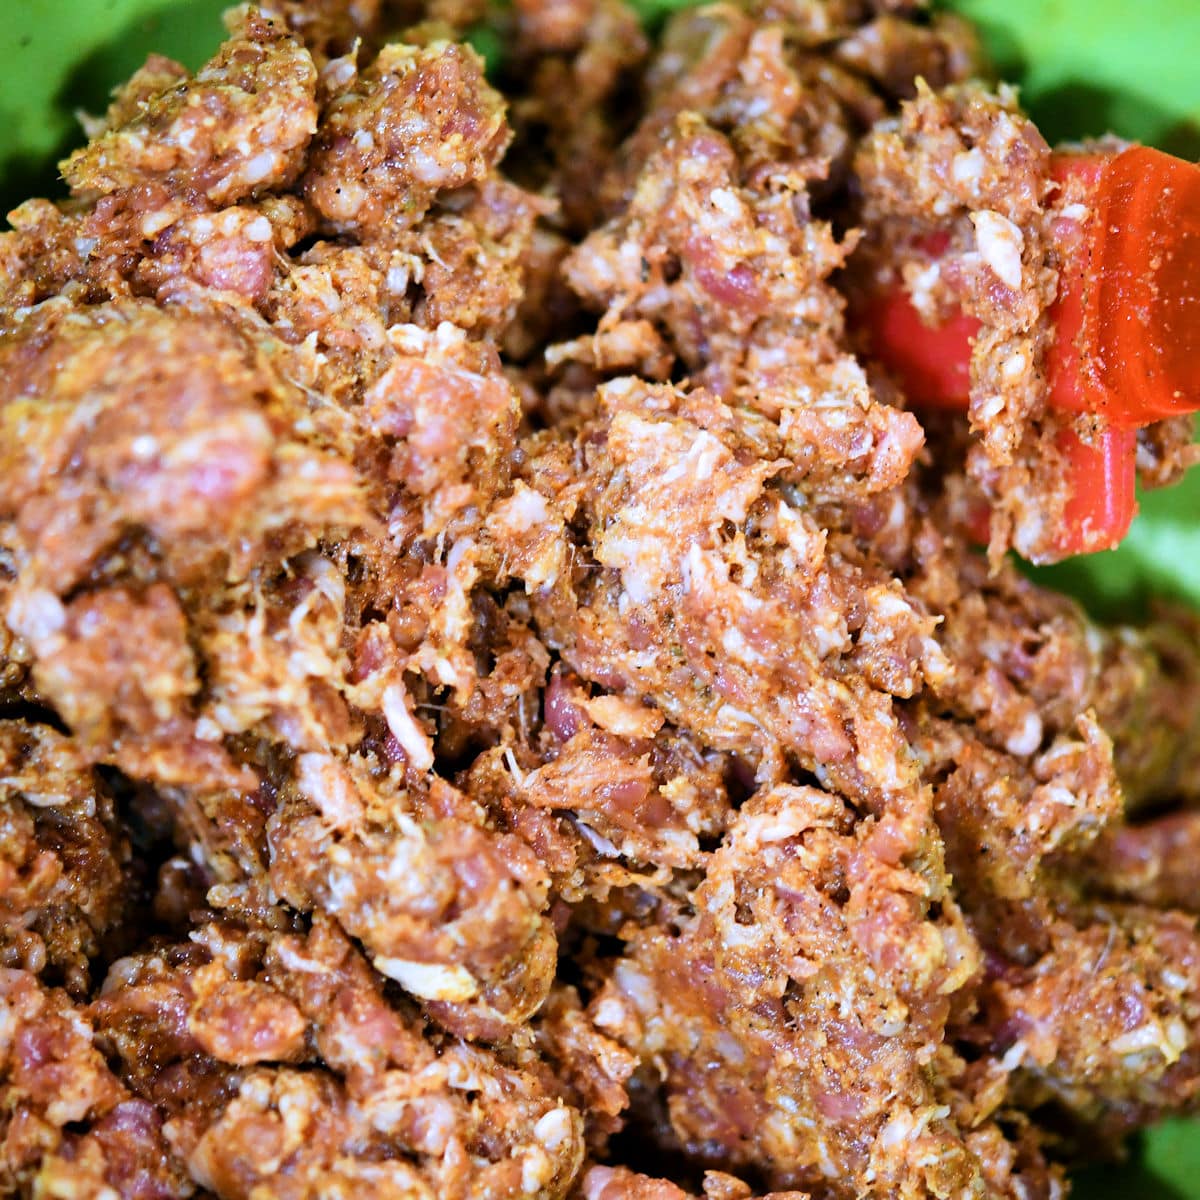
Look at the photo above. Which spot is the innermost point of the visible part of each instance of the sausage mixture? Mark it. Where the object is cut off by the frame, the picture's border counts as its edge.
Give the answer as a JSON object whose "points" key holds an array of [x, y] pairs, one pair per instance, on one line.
{"points": [[497, 696]]}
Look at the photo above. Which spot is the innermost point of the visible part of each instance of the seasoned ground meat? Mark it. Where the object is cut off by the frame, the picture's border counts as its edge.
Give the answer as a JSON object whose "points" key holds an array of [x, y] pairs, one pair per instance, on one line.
{"points": [[497, 695]]}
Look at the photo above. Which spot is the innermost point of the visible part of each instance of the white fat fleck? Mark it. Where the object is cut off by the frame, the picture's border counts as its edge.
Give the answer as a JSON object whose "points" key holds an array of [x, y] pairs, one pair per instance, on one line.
{"points": [[1014, 365], [443, 670], [1061, 750], [36, 615], [934, 662], [339, 72], [734, 935], [412, 738], [363, 140], [599, 843], [805, 542], [397, 279], [462, 1075], [725, 202], [327, 582], [294, 960], [896, 1131], [144, 447], [991, 408], [849, 379], [829, 1168], [754, 110], [45, 799], [459, 556], [967, 167], [697, 464], [763, 828], [885, 771], [424, 167], [1077, 212], [553, 1129], [326, 783], [735, 718], [525, 509], [257, 1090], [829, 633], [259, 167], [637, 987], [259, 230], [1000, 244], [1026, 739], [536, 1171], [156, 221], [888, 603], [903, 1127], [202, 228], [1169, 1042], [8, 1026], [619, 388], [678, 840], [430, 981], [921, 287], [609, 1014], [637, 560], [294, 1106], [623, 717], [1056, 794], [1014, 1056], [779, 356], [514, 768], [693, 572], [207, 730], [734, 643]]}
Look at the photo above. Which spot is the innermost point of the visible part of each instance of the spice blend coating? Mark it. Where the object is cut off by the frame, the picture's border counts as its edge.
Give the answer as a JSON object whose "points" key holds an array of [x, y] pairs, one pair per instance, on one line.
{"points": [[497, 695]]}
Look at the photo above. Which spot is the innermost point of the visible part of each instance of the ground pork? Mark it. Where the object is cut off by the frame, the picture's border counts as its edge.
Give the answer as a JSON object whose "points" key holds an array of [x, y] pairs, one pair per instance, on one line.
{"points": [[497, 697]]}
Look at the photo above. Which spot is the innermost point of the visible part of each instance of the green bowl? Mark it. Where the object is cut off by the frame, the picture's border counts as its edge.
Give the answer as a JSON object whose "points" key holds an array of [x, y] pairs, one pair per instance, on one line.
{"points": [[1086, 67]]}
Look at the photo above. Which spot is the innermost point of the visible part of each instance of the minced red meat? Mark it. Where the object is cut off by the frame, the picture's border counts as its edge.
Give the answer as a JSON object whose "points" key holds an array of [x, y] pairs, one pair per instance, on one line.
{"points": [[496, 696]]}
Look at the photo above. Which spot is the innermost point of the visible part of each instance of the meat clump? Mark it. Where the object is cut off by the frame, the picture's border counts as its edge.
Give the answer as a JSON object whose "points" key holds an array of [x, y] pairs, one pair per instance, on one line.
{"points": [[497, 699]]}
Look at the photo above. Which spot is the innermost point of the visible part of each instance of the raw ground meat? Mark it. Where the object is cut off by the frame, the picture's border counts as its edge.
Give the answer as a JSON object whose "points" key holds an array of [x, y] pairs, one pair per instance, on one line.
{"points": [[497, 698]]}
